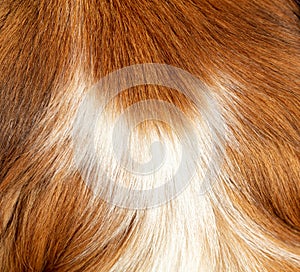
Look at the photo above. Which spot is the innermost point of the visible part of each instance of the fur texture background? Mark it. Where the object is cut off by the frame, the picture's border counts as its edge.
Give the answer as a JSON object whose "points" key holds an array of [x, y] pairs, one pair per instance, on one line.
{"points": [[247, 53]]}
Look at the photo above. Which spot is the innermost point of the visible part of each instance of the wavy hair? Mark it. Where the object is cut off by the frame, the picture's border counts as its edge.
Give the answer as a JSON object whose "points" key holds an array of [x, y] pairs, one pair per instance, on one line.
{"points": [[209, 104]]}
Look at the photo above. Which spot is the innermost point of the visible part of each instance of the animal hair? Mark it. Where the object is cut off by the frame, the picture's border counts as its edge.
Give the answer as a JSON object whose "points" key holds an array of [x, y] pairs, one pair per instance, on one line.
{"points": [[56, 211]]}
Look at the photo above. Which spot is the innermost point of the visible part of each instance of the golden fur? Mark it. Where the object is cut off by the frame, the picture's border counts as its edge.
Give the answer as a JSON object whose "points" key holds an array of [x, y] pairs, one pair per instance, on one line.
{"points": [[246, 53]]}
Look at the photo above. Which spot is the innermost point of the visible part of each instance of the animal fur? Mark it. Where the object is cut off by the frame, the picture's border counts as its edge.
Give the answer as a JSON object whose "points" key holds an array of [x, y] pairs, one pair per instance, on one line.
{"points": [[246, 54]]}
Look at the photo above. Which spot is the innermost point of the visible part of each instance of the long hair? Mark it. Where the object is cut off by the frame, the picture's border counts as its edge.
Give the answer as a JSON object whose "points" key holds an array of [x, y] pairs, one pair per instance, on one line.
{"points": [[149, 135]]}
